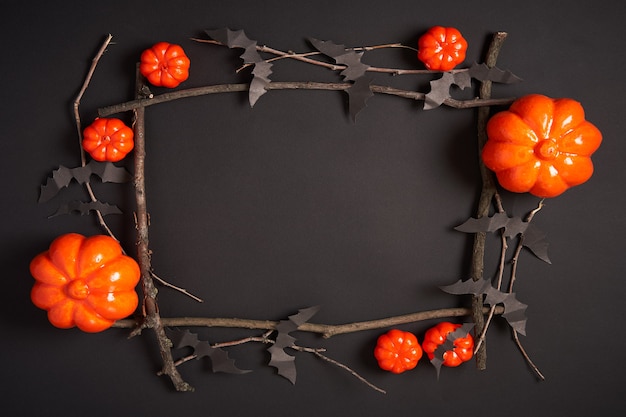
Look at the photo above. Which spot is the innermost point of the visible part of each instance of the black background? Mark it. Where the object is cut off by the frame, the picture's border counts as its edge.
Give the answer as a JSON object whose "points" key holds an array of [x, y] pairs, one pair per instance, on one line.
{"points": [[287, 205]]}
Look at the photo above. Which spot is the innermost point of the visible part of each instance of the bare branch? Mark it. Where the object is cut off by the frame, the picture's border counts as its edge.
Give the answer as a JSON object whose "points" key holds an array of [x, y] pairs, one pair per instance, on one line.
{"points": [[326, 330], [79, 129]]}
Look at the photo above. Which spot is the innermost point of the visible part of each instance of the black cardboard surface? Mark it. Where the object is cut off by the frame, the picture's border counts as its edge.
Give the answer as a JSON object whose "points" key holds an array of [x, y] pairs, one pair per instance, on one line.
{"points": [[289, 205]]}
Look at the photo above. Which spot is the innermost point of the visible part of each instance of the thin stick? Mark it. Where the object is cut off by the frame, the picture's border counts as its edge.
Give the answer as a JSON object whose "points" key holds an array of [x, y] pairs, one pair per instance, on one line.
{"points": [[520, 245], [326, 330], [486, 197], [514, 261], [266, 339], [500, 275], [175, 287], [79, 129], [262, 339], [318, 353], [526, 357], [287, 85], [152, 318], [304, 57]]}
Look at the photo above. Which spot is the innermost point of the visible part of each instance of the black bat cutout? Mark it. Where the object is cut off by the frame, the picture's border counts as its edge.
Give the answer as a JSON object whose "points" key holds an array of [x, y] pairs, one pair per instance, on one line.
{"points": [[440, 88], [482, 72], [279, 359], [355, 71], [534, 239], [84, 208], [262, 69], [358, 94], [514, 310], [63, 176], [220, 361], [448, 344]]}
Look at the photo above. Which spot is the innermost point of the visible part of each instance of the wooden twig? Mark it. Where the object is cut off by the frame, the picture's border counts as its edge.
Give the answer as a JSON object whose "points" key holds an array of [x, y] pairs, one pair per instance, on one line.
{"points": [[79, 129], [514, 262], [265, 338], [486, 197], [259, 339], [175, 287], [500, 274], [304, 57], [520, 245], [152, 318], [318, 353], [326, 330], [529, 361], [287, 85]]}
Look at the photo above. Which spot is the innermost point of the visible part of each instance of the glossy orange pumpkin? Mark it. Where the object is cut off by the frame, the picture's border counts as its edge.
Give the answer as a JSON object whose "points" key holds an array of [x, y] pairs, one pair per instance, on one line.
{"points": [[108, 139], [541, 145], [165, 65], [441, 48], [85, 282], [397, 351], [436, 336]]}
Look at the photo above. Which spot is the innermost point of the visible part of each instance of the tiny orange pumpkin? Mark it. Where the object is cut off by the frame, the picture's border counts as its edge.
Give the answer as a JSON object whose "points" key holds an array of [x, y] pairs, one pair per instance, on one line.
{"points": [[165, 65], [441, 48], [463, 347], [397, 351], [108, 139]]}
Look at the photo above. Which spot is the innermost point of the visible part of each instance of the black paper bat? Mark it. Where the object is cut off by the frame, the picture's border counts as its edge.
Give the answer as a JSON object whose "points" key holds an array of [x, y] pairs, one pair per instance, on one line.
{"points": [[220, 361], [448, 344], [358, 94], [262, 69], [482, 72], [355, 71], [62, 177], [440, 88], [344, 56], [514, 310], [84, 208], [279, 359], [261, 72], [534, 239]]}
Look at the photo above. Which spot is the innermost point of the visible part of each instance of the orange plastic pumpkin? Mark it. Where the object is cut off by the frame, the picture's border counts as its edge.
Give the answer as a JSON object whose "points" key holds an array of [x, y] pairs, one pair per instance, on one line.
{"points": [[436, 336], [397, 351], [541, 145], [85, 282], [441, 48], [165, 65], [108, 139]]}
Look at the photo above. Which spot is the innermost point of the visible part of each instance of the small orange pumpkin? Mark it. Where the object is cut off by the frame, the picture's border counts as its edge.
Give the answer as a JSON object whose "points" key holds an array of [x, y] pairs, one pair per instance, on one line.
{"points": [[441, 48], [436, 336], [165, 65], [397, 351], [108, 139]]}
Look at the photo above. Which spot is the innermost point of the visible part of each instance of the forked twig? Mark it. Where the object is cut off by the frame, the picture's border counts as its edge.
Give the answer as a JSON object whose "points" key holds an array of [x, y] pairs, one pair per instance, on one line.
{"points": [[325, 330], [152, 318], [79, 129], [265, 338], [304, 57], [487, 193], [318, 353], [514, 261], [175, 287], [290, 85], [500, 274]]}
